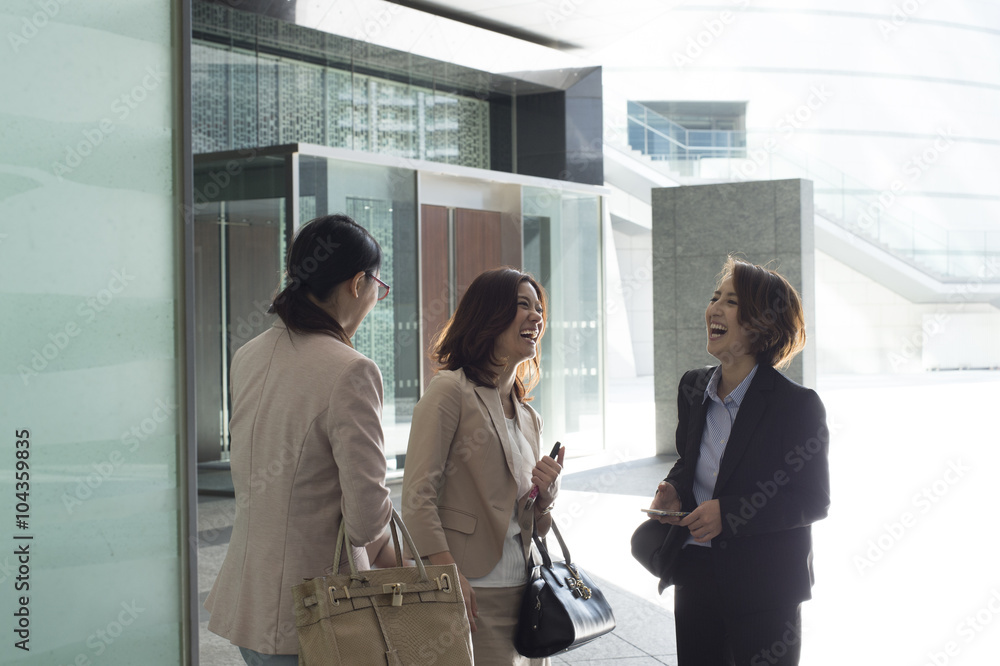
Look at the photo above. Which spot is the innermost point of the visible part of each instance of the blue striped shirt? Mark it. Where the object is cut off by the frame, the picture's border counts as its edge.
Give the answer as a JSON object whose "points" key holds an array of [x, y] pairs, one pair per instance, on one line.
{"points": [[719, 418]]}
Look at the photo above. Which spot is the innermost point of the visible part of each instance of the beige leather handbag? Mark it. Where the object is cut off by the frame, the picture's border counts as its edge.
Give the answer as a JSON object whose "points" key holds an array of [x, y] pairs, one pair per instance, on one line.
{"points": [[403, 616]]}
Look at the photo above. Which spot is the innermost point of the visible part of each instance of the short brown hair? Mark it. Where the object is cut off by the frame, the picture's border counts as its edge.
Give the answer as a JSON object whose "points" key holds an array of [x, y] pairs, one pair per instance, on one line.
{"points": [[487, 308], [770, 309]]}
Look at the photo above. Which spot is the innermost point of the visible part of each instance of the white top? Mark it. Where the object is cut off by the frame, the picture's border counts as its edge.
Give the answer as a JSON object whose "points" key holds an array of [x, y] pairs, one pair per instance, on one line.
{"points": [[510, 571]]}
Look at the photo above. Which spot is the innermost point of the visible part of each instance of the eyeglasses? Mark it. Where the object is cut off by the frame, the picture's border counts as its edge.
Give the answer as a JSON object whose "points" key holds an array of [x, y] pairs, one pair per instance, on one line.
{"points": [[383, 288]]}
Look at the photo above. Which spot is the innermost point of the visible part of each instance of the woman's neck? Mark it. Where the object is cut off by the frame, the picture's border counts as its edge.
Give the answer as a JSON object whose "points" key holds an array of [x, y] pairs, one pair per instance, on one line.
{"points": [[733, 375], [505, 381]]}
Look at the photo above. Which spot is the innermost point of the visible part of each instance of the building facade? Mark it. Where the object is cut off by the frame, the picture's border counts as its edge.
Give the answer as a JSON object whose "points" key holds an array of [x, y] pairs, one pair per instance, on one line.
{"points": [[445, 165]]}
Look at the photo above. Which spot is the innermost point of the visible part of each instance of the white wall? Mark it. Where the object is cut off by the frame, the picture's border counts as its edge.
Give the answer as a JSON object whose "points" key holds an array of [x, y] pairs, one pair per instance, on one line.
{"points": [[634, 249], [862, 327], [868, 87]]}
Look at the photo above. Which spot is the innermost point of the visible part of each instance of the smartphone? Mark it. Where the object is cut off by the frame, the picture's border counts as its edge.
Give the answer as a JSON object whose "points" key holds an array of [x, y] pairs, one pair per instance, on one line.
{"points": [[657, 512], [555, 450]]}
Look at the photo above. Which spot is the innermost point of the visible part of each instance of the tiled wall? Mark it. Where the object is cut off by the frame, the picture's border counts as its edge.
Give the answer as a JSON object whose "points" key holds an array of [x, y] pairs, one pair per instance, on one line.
{"points": [[694, 228]]}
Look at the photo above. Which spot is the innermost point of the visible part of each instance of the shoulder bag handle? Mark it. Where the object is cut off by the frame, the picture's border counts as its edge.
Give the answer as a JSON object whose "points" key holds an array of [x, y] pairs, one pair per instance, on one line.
{"points": [[395, 520]]}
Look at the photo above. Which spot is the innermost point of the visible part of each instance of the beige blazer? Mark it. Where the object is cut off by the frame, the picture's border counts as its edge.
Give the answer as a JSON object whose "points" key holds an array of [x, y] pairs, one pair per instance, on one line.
{"points": [[307, 452], [458, 487]]}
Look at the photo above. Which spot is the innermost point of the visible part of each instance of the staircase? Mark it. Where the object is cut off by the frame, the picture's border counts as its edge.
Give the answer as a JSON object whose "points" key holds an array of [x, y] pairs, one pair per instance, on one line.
{"points": [[855, 224]]}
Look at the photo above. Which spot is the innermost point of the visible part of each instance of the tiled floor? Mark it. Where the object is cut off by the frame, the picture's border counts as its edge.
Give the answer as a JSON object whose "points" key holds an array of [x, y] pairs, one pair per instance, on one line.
{"points": [[905, 563], [593, 510]]}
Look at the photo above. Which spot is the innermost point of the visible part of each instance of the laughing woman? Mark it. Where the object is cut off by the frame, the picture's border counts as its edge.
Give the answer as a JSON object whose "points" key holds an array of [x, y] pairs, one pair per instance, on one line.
{"points": [[752, 471], [473, 456]]}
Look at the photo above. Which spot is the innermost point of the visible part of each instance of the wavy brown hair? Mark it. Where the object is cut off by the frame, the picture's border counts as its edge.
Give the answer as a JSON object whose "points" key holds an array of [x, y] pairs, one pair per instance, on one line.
{"points": [[487, 308], [770, 309]]}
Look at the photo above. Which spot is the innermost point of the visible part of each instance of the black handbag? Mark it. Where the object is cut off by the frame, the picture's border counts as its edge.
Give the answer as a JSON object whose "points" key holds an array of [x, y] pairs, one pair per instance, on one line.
{"points": [[655, 545], [562, 608]]}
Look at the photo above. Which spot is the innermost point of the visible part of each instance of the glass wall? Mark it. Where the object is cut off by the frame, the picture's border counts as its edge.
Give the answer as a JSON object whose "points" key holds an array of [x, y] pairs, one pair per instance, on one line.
{"points": [[93, 567], [383, 200], [562, 248], [241, 237]]}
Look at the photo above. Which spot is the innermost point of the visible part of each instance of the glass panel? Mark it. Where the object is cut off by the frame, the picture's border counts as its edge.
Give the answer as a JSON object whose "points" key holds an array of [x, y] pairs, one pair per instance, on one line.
{"points": [[93, 568], [383, 200], [561, 243], [322, 97], [240, 241]]}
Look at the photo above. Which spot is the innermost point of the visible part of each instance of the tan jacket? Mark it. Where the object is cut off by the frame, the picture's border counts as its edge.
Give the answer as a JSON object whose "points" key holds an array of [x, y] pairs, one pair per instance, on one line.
{"points": [[306, 445], [458, 488]]}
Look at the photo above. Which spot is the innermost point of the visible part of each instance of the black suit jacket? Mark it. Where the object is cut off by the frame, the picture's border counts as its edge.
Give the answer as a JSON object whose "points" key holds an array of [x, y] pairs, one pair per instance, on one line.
{"points": [[773, 484]]}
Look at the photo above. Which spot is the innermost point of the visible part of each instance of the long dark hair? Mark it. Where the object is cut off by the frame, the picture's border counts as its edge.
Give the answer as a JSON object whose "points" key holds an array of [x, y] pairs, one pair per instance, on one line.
{"points": [[771, 310], [326, 251], [487, 308]]}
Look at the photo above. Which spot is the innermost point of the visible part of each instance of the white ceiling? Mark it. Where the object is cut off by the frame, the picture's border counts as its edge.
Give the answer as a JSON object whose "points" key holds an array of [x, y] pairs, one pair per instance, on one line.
{"points": [[587, 25]]}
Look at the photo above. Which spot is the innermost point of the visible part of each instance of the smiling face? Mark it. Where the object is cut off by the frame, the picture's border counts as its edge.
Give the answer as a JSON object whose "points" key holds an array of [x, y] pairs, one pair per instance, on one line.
{"points": [[517, 342], [728, 341]]}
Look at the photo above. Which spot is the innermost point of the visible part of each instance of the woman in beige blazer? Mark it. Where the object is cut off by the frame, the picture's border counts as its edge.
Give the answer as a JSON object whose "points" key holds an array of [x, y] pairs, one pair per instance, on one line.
{"points": [[473, 456], [307, 446]]}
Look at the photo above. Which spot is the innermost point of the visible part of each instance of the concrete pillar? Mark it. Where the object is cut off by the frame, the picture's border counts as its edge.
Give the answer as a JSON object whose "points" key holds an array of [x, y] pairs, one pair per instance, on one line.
{"points": [[764, 222]]}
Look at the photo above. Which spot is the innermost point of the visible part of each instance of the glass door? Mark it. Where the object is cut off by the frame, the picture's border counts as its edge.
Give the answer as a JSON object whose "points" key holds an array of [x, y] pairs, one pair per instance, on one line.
{"points": [[240, 240]]}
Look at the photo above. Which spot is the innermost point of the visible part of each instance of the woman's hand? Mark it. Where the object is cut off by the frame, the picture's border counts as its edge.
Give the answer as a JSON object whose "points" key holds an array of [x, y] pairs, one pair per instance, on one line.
{"points": [[544, 475], [470, 601], [705, 522], [382, 554], [468, 594], [666, 499]]}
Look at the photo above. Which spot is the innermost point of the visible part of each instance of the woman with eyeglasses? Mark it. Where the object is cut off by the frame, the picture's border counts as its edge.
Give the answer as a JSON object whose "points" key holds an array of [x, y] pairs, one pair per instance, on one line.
{"points": [[474, 456], [307, 444]]}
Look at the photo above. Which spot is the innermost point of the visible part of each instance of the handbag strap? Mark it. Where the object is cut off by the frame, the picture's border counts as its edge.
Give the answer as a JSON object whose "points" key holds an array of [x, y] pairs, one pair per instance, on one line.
{"points": [[543, 549], [343, 539]]}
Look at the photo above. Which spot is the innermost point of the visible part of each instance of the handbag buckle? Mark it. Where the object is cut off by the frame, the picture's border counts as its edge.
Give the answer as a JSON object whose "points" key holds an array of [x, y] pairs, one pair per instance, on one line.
{"points": [[576, 584], [397, 590], [444, 582]]}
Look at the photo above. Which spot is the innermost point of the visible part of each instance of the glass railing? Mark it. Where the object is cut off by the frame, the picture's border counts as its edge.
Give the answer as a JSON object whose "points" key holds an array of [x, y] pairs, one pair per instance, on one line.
{"points": [[878, 217], [662, 139]]}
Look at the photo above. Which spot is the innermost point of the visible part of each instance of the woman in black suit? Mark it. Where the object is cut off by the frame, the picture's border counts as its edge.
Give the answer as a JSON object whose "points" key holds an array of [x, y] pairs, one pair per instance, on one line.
{"points": [[752, 471]]}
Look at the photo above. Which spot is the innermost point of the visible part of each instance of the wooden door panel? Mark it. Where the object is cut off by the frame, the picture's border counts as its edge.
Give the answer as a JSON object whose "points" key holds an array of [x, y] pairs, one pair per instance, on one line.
{"points": [[434, 292], [477, 245]]}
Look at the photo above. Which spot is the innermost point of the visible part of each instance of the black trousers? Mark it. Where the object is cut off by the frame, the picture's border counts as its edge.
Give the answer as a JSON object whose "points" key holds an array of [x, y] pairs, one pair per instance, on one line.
{"points": [[709, 635]]}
